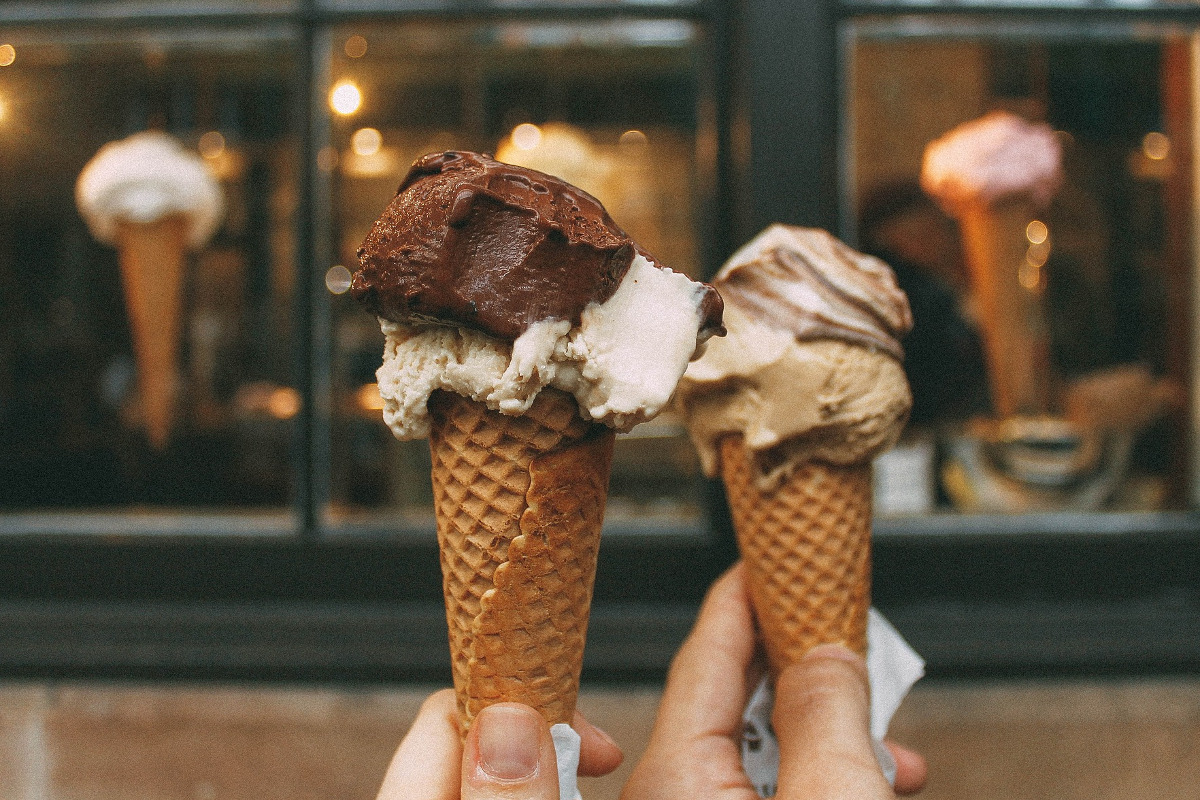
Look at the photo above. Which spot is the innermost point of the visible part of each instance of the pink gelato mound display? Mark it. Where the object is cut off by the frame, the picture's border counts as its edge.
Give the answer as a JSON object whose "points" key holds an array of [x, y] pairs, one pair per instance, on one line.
{"points": [[995, 175], [991, 159]]}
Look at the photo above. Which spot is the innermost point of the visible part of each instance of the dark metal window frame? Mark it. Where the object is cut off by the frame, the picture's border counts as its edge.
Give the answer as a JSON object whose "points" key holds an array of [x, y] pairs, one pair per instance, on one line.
{"points": [[120, 597]]}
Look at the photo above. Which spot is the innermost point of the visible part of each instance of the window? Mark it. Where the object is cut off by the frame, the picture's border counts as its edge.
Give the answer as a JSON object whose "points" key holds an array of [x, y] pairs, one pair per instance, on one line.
{"points": [[81, 432], [1044, 541]]}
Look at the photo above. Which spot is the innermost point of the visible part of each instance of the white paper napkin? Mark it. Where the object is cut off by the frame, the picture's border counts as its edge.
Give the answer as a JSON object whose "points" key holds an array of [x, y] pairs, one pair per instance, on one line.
{"points": [[892, 667], [566, 748]]}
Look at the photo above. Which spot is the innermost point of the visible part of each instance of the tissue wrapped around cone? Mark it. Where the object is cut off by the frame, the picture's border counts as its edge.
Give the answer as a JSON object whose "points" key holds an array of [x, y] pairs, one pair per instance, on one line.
{"points": [[519, 503], [152, 257], [807, 548], [1012, 315]]}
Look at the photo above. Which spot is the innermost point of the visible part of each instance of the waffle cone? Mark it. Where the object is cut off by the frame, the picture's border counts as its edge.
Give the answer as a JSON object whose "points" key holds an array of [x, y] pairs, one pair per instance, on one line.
{"points": [[152, 259], [806, 545], [1011, 315], [519, 504]]}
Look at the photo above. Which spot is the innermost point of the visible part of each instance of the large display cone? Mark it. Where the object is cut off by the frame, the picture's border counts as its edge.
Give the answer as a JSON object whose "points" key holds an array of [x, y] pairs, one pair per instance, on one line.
{"points": [[519, 504], [1012, 315], [152, 266], [807, 549]]}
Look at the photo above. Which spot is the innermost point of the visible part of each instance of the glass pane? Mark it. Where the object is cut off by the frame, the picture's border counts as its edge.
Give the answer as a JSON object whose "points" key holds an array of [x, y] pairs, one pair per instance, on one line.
{"points": [[1051, 353], [609, 106], [145, 352]]}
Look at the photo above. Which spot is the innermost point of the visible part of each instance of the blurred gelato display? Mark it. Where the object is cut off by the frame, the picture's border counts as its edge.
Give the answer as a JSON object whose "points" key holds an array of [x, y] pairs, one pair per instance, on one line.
{"points": [[148, 188], [1047, 236], [995, 175], [154, 201]]}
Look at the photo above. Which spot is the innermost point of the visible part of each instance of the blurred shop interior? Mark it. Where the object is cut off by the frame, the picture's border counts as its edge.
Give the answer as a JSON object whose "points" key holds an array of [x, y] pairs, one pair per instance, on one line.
{"points": [[255, 519]]}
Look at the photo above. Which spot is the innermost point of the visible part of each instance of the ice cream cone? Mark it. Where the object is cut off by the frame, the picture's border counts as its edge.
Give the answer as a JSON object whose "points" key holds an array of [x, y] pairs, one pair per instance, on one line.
{"points": [[806, 544], [519, 503], [1011, 312], [152, 266]]}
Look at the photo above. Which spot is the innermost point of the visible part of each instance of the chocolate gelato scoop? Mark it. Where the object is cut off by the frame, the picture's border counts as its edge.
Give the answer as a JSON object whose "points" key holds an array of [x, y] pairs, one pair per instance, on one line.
{"points": [[477, 243]]}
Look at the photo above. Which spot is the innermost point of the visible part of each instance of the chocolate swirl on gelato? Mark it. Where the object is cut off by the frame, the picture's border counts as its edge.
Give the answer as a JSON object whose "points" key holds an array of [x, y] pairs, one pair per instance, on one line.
{"points": [[811, 367], [474, 242], [818, 288]]}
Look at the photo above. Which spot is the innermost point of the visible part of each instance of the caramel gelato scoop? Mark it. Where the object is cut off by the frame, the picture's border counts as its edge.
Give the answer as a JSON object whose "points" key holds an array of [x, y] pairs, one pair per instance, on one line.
{"points": [[811, 366], [790, 408]]}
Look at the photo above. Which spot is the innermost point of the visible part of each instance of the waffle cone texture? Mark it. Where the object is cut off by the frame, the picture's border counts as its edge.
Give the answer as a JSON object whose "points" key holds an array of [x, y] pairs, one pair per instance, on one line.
{"points": [[519, 504], [806, 545]]}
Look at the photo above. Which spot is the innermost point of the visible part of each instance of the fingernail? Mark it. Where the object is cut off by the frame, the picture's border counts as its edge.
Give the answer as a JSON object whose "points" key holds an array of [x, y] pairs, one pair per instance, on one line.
{"points": [[604, 735], [835, 651], [508, 742]]}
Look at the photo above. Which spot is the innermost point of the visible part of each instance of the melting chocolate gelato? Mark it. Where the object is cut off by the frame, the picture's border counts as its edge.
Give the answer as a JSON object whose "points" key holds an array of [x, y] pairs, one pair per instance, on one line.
{"points": [[474, 242]]}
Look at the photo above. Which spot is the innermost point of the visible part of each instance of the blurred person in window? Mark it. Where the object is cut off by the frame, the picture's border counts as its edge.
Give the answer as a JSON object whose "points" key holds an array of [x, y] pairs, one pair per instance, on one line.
{"points": [[943, 354]]}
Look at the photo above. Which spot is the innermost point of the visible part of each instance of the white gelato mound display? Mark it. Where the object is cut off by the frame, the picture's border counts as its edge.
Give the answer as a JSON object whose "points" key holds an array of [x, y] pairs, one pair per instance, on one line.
{"points": [[153, 200]]}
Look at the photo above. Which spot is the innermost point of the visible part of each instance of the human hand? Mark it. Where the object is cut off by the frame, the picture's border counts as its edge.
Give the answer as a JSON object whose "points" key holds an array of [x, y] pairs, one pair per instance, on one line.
{"points": [[821, 718], [508, 755]]}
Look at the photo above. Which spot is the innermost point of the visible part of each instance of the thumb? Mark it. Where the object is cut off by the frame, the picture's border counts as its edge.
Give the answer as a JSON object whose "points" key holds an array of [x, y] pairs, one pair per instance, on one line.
{"points": [[822, 721], [509, 755]]}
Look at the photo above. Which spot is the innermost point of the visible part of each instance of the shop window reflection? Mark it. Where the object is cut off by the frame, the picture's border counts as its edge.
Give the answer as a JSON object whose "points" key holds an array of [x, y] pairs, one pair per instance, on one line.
{"points": [[71, 389], [1104, 426]]}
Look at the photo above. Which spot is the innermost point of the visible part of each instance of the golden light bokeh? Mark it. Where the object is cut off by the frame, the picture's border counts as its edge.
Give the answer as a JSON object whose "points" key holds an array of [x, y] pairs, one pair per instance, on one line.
{"points": [[8, 54], [345, 98], [633, 139], [355, 47], [366, 141], [1030, 276], [327, 158], [367, 397], [284, 403], [211, 144], [1036, 231], [1156, 146], [526, 136], [337, 279], [1038, 254]]}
